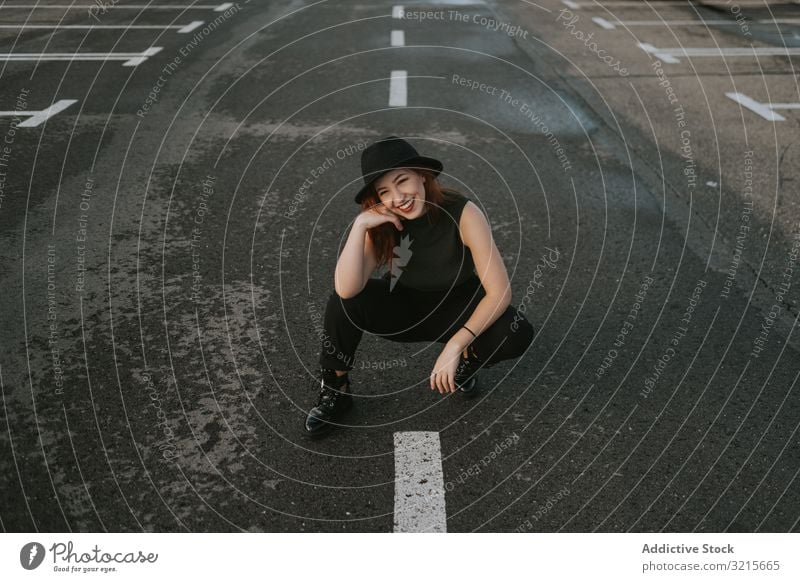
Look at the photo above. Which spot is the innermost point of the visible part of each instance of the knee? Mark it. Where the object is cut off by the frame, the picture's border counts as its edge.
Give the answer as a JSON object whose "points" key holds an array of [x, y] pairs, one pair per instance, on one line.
{"points": [[351, 304], [339, 302], [337, 307], [511, 335], [522, 333], [527, 333], [334, 300]]}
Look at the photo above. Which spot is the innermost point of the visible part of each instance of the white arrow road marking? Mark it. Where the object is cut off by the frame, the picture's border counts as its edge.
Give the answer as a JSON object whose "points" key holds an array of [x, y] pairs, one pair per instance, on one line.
{"points": [[130, 59], [612, 25], [181, 28], [398, 92], [110, 6], [669, 55], [418, 483], [39, 117], [765, 110], [398, 38]]}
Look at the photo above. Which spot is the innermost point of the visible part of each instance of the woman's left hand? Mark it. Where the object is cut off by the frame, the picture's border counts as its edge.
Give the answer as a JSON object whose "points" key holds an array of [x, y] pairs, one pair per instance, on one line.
{"points": [[444, 370]]}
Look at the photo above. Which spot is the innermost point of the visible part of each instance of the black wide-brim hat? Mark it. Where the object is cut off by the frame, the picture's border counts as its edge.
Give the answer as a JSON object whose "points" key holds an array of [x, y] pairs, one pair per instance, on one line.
{"points": [[389, 154]]}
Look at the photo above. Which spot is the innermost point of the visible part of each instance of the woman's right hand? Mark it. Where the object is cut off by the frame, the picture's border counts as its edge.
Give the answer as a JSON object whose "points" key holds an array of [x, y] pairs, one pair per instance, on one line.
{"points": [[377, 215]]}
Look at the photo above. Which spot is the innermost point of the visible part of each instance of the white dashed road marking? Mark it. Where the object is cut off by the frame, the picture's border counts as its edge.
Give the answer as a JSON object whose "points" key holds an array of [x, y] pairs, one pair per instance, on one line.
{"points": [[670, 55], [633, 4], [191, 26], [603, 23], [398, 38], [129, 59], [612, 25], [418, 483], [765, 110], [182, 28], [398, 91], [36, 118]]}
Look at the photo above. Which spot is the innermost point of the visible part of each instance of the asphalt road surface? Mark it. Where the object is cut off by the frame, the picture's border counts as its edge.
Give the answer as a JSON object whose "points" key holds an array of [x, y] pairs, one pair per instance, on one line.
{"points": [[176, 181]]}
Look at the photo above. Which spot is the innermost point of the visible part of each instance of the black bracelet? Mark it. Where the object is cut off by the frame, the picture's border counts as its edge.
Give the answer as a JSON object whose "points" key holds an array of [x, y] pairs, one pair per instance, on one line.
{"points": [[469, 330]]}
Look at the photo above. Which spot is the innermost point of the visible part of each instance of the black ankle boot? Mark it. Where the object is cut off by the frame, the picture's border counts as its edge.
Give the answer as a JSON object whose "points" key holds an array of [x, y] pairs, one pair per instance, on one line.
{"points": [[332, 404], [466, 377]]}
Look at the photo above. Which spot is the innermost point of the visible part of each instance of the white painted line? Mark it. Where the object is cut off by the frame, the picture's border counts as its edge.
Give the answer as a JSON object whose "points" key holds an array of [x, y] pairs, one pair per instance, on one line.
{"points": [[110, 6], [609, 25], [398, 92], [398, 11], [603, 23], [398, 38], [182, 28], [191, 26], [36, 118], [667, 58], [45, 114], [762, 109], [418, 483], [784, 105], [129, 59], [650, 5], [143, 57], [669, 55]]}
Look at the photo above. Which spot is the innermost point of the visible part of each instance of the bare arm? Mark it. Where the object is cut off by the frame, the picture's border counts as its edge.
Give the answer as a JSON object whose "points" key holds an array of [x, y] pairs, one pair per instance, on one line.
{"points": [[353, 267], [477, 235], [359, 259]]}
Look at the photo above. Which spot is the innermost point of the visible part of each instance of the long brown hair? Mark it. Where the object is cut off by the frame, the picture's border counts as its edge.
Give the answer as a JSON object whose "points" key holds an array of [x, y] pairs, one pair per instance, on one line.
{"points": [[382, 235]]}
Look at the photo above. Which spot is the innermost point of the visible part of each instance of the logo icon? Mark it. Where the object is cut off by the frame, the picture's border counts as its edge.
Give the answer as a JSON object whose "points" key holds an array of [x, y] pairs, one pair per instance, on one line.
{"points": [[403, 254], [31, 556]]}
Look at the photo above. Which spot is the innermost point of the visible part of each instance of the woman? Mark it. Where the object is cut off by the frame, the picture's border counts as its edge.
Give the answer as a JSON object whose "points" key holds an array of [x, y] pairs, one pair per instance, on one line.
{"points": [[446, 281]]}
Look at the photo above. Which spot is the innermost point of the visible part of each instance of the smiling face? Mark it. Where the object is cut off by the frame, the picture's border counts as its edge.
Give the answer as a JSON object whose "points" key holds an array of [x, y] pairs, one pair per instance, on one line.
{"points": [[403, 192]]}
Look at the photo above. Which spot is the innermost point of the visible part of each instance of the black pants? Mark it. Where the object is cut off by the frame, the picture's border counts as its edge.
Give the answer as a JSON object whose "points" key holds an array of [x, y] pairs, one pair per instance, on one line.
{"points": [[403, 314]]}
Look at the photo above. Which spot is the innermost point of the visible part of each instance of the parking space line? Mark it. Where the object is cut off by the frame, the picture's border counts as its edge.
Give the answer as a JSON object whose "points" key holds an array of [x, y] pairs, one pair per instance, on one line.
{"points": [[398, 91], [398, 38], [633, 4], [129, 59], [603, 23], [191, 26], [215, 7], [419, 504], [670, 55], [181, 28], [784, 105], [36, 118], [612, 25], [765, 110]]}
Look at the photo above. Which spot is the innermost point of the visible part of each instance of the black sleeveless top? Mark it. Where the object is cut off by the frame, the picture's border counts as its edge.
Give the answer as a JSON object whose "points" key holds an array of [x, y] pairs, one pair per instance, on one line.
{"points": [[431, 257]]}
